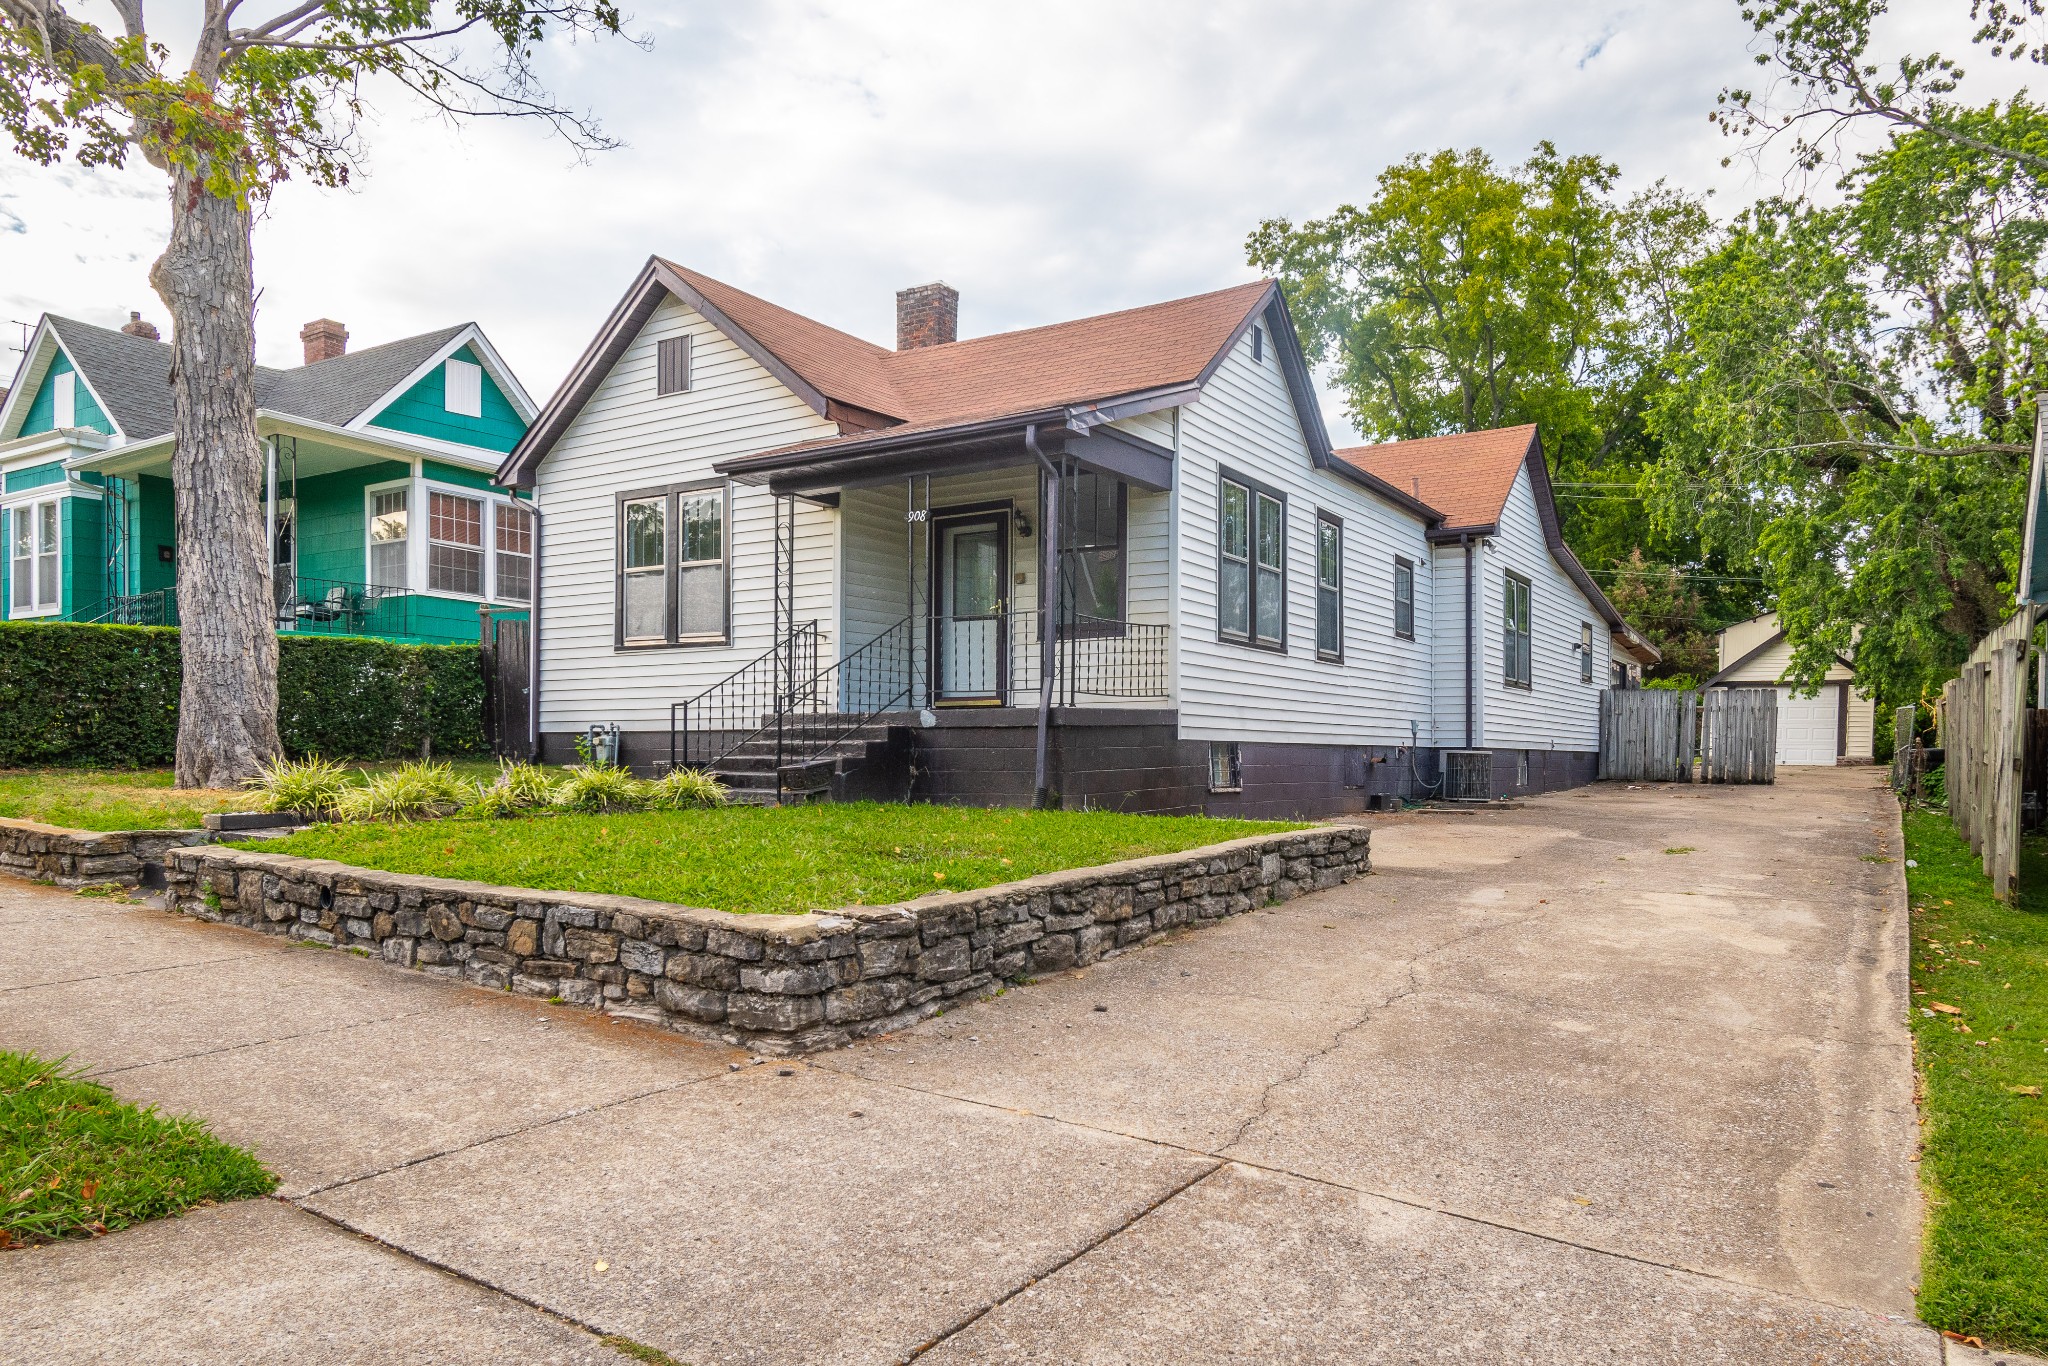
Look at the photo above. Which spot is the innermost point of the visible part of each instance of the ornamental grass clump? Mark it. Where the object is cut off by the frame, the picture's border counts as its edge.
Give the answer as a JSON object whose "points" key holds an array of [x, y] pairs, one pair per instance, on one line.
{"points": [[410, 792], [313, 787], [685, 789], [520, 789], [600, 788]]}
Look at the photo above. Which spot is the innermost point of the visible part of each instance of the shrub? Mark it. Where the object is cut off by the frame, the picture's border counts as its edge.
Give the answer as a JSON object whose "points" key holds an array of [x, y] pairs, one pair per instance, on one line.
{"points": [[414, 791], [312, 787], [520, 788], [600, 788], [682, 788], [108, 696]]}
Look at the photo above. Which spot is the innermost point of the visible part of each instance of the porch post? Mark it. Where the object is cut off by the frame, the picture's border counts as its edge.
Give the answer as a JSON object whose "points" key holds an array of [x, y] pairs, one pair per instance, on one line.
{"points": [[1048, 614]]}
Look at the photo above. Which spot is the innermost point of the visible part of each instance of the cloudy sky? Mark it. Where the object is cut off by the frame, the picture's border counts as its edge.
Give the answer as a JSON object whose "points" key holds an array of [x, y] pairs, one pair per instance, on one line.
{"points": [[1048, 160]]}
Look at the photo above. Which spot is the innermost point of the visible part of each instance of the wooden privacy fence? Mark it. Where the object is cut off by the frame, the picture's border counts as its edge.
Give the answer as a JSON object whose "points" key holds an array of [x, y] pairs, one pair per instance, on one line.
{"points": [[1983, 736], [1654, 735]]}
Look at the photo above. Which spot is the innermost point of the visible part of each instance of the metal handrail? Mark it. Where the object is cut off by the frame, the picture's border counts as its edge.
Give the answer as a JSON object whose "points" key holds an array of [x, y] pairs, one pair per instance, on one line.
{"points": [[844, 698], [747, 702]]}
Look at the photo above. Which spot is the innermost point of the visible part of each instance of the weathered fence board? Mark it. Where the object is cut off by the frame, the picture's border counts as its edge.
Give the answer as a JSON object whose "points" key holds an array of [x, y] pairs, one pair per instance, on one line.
{"points": [[1654, 735], [1983, 732]]}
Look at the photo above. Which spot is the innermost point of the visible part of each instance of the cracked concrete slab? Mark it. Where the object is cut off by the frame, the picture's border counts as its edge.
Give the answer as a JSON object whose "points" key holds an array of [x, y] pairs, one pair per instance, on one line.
{"points": [[343, 1104], [1257, 1267], [261, 1281], [1521, 1010], [768, 1218], [267, 989], [74, 939]]}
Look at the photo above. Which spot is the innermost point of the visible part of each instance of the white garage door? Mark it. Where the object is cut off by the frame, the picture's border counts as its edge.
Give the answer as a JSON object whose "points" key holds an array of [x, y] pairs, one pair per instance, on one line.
{"points": [[1806, 727]]}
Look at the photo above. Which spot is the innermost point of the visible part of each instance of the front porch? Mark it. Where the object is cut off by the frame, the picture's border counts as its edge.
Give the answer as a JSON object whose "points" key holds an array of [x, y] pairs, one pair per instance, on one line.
{"points": [[947, 646], [365, 541]]}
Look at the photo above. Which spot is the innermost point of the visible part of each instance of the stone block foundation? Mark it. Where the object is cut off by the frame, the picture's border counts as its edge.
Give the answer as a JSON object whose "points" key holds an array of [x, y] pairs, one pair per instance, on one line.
{"points": [[778, 984], [84, 858]]}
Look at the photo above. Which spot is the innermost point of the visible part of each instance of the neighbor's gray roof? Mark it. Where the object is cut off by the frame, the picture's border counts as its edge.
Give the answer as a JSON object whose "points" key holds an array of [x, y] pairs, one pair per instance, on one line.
{"points": [[132, 376]]}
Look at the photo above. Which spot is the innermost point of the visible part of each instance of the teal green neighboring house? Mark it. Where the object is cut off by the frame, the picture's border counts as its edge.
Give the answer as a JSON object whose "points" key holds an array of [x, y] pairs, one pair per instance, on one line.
{"points": [[378, 500]]}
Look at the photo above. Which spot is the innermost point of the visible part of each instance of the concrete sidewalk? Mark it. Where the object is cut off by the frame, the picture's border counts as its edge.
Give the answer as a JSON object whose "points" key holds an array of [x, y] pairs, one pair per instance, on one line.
{"points": [[1619, 1075]]}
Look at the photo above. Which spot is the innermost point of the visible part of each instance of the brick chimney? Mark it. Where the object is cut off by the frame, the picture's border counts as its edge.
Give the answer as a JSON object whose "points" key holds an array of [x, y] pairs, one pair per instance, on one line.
{"points": [[325, 339], [136, 327], [927, 315]]}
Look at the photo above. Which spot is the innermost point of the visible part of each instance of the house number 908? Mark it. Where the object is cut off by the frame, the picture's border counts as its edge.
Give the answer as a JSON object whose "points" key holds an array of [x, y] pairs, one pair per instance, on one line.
{"points": [[917, 516]]}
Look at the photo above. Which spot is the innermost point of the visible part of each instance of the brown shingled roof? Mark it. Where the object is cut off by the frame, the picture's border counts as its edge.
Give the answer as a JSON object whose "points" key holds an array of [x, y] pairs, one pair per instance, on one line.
{"points": [[1152, 347], [1466, 476]]}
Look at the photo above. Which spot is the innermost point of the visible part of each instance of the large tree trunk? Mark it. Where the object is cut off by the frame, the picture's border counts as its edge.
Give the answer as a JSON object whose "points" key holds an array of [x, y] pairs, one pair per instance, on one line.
{"points": [[227, 708]]}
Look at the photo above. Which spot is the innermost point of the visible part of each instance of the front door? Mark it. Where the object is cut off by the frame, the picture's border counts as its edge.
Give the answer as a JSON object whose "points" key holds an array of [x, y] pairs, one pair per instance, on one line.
{"points": [[968, 640]]}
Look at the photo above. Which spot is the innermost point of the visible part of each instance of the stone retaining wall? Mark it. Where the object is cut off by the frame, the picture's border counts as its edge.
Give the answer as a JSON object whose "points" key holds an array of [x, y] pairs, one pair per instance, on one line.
{"points": [[774, 983], [80, 858]]}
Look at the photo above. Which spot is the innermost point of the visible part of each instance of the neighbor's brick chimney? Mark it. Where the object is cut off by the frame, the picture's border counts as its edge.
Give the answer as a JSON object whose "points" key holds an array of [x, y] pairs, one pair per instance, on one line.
{"points": [[325, 339], [927, 315], [136, 327]]}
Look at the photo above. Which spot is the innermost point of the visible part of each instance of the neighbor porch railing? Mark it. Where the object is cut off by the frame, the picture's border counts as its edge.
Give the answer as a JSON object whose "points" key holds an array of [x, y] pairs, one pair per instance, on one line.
{"points": [[132, 609]]}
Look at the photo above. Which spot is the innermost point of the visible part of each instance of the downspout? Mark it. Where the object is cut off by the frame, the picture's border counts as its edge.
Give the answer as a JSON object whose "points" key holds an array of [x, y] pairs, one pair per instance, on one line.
{"points": [[1465, 544], [533, 638], [1048, 614]]}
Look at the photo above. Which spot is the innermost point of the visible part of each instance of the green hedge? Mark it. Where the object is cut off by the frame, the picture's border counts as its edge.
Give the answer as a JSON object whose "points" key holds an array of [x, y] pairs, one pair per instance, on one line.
{"points": [[108, 696]]}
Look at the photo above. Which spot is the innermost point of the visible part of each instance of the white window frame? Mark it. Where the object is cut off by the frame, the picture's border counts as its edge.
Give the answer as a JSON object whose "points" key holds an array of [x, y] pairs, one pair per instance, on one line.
{"points": [[462, 387], [33, 506], [419, 535]]}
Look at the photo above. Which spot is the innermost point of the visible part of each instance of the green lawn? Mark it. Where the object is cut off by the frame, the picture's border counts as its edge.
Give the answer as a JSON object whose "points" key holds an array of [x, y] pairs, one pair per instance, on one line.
{"points": [[132, 799], [74, 1161], [1980, 1025], [740, 858]]}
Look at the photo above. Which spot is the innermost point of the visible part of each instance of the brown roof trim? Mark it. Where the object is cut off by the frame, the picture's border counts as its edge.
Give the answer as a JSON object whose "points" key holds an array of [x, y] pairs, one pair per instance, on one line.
{"points": [[656, 278]]}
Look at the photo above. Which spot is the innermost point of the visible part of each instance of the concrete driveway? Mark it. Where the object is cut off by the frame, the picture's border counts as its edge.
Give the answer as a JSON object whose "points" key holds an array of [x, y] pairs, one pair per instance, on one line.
{"points": [[1620, 1075]]}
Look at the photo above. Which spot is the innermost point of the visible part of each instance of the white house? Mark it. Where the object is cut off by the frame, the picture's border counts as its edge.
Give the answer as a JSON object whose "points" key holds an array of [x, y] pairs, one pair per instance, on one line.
{"points": [[1835, 726], [814, 563]]}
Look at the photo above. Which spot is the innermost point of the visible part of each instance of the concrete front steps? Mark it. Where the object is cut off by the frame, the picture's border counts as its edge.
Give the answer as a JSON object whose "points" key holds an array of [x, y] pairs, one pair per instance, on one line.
{"points": [[750, 772]]}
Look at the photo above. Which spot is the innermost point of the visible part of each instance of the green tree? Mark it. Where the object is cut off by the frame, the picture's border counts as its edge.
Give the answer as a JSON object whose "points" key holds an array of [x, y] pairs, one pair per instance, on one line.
{"points": [[1465, 295], [257, 102], [1853, 417]]}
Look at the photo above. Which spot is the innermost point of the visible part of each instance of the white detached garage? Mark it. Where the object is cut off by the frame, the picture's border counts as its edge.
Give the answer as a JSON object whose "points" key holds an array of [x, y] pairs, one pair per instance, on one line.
{"points": [[1832, 727]]}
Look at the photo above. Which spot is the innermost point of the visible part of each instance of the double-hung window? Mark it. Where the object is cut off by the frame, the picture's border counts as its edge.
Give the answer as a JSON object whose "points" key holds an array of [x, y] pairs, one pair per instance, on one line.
{"points": [[1329, 587], [33, 534], [1585, 652], [673, 567], [514, 528], [1404, 598], [700, 566], [1252, 579], [1517, 661], [455, 544], [388, 539]]}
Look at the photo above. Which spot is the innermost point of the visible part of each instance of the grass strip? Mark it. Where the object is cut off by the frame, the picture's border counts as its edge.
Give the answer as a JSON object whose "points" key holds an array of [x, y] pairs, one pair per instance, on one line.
{"points": [[798, 858], [76, 1162], [136, 799], [1980, 1029]]}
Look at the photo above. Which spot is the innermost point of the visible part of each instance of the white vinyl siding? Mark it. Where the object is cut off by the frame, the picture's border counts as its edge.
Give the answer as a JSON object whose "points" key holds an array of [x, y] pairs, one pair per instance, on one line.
{"points": [[1246, 422], [627, 438], [1555, 711]]}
